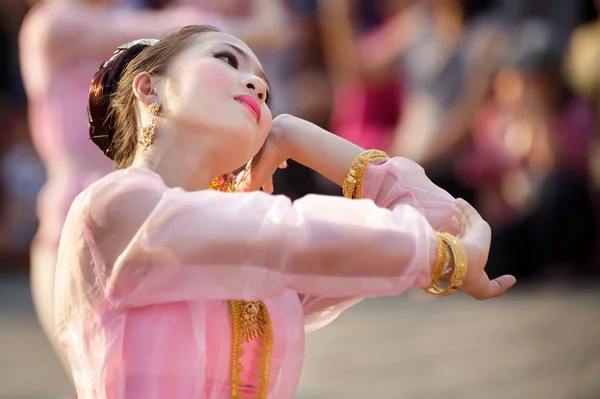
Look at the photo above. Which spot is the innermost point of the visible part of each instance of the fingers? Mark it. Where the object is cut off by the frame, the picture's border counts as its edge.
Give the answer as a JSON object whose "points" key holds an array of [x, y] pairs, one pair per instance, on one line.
{"points": [[502, 284], [467, 209], [268, 187], [461, 219], [260, 175], [487, 289]]}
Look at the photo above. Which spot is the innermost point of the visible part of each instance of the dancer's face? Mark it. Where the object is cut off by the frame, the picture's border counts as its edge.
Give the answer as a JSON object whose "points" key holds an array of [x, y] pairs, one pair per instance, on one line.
{"points": [[216, 87]]}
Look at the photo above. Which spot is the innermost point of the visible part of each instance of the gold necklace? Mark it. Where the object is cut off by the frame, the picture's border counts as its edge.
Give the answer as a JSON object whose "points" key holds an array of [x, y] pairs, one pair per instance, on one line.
{"points": [[251, 321]]}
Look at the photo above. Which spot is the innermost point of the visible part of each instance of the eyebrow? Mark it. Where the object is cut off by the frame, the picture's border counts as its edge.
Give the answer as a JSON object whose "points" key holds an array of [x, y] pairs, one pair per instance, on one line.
{"points": [[244, 55]]}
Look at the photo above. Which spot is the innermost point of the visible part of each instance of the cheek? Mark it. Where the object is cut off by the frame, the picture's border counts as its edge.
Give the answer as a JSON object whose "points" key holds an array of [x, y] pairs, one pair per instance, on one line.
{"points": [[205, 81]]}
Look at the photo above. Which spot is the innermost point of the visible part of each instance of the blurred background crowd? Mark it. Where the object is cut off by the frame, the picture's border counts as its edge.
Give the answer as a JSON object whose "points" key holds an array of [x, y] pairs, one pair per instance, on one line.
{"points": [[499, 100]]}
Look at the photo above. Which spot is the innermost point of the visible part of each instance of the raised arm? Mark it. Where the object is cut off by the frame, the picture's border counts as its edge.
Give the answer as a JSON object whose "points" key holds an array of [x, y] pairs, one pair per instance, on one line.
{"points": [[389, 183], [152, 244], [75, 31]]}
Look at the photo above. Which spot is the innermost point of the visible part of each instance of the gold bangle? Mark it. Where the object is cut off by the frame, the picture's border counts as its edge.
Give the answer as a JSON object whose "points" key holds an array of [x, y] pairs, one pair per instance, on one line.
{"points": [[441, 262], [352, 185], [460, 267]]}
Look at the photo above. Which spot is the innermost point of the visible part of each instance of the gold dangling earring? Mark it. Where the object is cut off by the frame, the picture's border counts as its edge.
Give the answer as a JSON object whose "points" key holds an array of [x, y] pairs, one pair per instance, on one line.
{"points": [[147, 133]]}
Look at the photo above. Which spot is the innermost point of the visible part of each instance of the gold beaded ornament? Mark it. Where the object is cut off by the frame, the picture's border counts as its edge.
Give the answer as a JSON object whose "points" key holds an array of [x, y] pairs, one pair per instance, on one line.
{"points": [[352, 185], [250, 321]]}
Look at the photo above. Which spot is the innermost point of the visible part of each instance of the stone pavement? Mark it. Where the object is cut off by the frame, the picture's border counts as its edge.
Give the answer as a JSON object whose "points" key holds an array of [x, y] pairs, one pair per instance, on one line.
{"points": [[533, 343]]}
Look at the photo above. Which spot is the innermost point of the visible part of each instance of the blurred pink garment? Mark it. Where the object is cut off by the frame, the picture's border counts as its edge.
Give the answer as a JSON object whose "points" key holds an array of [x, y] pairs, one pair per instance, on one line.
{"points": [[57, 100], [57, 81], [367, 114], [144, 272]]}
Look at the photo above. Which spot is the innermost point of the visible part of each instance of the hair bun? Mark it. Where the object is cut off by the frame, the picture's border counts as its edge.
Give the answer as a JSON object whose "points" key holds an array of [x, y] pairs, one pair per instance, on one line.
{"points": [[104, 85]]}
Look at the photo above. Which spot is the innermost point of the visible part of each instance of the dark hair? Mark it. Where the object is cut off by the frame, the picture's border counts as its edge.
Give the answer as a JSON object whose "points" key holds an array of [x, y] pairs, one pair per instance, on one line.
{"points": [[111, 107]]}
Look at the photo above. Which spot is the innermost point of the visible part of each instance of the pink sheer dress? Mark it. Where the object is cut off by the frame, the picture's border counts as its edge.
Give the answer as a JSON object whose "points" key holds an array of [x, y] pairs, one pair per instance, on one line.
{"points": [[145, 272]]}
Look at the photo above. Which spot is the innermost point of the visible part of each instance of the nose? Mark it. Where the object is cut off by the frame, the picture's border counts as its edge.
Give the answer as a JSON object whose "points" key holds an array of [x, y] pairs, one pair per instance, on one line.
{"points": [[257, 87]]}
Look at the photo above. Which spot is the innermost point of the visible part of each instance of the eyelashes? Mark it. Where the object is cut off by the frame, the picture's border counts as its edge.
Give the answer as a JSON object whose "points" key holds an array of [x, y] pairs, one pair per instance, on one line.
{"points": [[269, 99], [234, 62], [228, 57]]}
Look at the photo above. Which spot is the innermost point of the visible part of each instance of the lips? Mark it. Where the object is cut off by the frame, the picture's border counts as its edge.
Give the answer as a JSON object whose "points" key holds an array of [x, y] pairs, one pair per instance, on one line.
{"points": [[250, 103]]}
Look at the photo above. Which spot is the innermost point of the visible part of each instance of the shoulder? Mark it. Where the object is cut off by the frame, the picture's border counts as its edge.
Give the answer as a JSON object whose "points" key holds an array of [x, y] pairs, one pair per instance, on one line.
{"points": [[130, 178], [122, 189]]}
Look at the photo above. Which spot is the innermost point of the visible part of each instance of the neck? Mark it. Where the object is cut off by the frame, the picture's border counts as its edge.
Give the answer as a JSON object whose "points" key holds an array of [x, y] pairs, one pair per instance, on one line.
{"points": [[180, 159]]}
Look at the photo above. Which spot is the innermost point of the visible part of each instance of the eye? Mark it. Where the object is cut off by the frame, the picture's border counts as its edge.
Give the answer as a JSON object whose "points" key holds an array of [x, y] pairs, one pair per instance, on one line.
{"points": [[228, 57]]}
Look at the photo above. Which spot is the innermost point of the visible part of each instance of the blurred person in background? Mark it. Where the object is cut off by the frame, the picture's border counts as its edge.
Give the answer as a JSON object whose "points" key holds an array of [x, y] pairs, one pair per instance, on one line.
{"points": [[366, 102], [62, 44], [307, 94], [447, 56], [412, 83], [529, 163]]}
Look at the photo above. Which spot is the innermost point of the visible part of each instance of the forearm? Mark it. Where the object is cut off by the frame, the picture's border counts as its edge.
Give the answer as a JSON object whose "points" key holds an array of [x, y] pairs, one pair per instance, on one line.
{"points": [[317, 149], [319, 245], [90, 32], [338, 40]]}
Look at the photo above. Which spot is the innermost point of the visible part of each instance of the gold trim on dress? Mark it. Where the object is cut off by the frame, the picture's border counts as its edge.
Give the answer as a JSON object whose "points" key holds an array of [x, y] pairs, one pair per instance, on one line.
{"points": [[251, 321]]}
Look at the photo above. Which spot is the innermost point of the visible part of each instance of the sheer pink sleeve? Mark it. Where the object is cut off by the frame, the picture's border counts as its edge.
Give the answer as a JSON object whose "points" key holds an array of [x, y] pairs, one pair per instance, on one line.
{"points": [[389, 184], [151, 244], [402, 181]]}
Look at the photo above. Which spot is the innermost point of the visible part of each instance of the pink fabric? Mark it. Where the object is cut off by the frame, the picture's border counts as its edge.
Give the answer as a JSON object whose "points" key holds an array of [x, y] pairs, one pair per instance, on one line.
{"points": [[58, 123], [366, 115], [144, 272]]}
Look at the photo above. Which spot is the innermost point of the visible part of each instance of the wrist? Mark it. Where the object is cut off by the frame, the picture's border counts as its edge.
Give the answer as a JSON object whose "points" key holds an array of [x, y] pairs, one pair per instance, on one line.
{"points": [[282, 132]]}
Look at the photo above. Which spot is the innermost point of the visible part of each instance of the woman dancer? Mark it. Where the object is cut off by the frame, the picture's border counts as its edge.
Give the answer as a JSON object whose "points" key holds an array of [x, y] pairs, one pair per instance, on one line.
{"points": [[62, 43], [168, 290]]}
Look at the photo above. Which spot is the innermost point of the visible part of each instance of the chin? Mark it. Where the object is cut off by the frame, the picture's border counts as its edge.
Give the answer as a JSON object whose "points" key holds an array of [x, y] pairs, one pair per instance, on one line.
{"points": [[245, 141]]}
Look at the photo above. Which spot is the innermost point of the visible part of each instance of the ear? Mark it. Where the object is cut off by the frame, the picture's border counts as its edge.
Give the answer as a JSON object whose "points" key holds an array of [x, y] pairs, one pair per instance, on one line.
{"points": [[143, 88]]}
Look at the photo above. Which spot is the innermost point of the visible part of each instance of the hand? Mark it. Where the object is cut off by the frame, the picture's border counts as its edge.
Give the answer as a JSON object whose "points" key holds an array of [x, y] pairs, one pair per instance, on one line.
{"points": [[476, 237], [272, 156]]}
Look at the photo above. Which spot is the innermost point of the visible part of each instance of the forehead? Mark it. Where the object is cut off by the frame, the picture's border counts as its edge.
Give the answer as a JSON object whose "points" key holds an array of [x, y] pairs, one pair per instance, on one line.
{"points": [[210, 40]]}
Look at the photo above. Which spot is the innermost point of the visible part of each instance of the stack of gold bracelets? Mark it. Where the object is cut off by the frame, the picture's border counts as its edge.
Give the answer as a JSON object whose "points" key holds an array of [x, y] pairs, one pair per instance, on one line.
{"points": [[450, 253]]}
